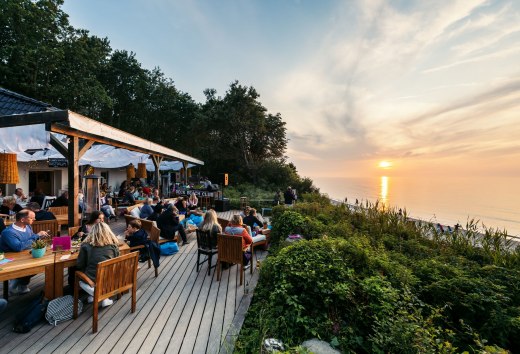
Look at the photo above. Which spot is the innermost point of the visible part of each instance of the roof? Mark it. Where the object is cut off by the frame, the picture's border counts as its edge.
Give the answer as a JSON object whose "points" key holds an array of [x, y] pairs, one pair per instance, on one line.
{"points": [[18, 110], [14, 103]]}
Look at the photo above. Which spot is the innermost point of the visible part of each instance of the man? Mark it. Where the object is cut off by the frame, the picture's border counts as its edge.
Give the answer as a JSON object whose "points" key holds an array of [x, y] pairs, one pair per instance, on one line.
{"points": [[169, 223], [146, 209], [40, 214], [19, 237], [288, 196], [62, 200], [19, 196]]}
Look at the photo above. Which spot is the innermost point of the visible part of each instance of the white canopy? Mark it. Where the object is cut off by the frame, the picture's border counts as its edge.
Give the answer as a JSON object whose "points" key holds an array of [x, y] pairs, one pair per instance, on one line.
{"points": [[33, 137]]}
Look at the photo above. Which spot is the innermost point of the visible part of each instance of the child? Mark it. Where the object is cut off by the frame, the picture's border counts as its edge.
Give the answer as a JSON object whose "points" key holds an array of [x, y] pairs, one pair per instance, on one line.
{"points": [[137, 236]]}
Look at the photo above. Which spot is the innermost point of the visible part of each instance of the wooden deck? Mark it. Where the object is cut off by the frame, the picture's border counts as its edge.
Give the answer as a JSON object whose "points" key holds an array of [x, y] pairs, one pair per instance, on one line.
{"points": [[180, 311]]}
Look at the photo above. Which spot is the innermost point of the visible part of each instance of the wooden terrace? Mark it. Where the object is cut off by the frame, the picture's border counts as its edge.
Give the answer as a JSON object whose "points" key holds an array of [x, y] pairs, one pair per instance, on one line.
{"points": [[180, 311]]}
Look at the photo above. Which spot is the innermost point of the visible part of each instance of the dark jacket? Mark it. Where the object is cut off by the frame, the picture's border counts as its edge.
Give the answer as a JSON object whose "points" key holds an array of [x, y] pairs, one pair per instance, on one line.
{"points": [[168, 223], [60, 201], [138, 238], [89, 257], [38, 198], [251, 220], [146, 211], [44, 215], [129, 198], [5, 210]]}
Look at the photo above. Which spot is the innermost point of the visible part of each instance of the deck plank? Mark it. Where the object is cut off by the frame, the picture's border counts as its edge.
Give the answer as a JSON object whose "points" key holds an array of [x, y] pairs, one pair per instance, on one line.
{"points": [[179, 311]]}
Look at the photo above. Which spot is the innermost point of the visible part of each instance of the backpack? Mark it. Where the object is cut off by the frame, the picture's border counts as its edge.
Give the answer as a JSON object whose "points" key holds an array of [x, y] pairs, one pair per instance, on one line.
{"points": [[34, 314], [61, 309], [169, 248]]}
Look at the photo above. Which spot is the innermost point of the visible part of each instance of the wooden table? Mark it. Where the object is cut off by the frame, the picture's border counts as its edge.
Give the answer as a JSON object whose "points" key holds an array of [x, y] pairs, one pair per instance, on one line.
{"points": [[63, 219], [51, 264]]}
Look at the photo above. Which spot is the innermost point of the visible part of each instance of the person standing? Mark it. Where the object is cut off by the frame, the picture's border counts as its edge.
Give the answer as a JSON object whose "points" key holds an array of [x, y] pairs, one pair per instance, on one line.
{"points": [[288, 196]]}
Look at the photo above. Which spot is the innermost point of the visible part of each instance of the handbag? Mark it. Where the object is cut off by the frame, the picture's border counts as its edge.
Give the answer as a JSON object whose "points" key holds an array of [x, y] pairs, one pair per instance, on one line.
{"points": [[61, 309]]}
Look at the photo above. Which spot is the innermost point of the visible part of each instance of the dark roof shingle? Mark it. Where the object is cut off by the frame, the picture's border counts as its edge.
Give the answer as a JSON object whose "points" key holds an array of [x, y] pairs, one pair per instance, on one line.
{"points": [[14, 103]]}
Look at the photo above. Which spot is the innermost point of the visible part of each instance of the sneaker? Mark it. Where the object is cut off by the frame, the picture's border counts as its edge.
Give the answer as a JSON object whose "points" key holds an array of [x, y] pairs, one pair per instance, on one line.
{"points": [[107, 302], [185, 243], [247, 266], [23, 289], [90, 299]]}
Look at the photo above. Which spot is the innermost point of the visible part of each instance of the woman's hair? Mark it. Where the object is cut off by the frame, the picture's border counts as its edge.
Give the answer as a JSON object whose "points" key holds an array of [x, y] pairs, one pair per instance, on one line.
{"points": [[210, 219], [93, 217], [101, 235], [9, 200], [236, 220], [193, 196]]}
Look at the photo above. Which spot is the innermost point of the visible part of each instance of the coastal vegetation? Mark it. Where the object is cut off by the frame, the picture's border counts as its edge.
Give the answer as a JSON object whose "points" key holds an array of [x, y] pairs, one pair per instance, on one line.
{"points": [[368, 280]]}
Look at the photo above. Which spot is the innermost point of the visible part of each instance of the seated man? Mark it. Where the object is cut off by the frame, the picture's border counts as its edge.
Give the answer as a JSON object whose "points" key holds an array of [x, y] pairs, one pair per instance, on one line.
{"points": [[16, 238], [252, 219], [146, 209], [19, 196], [169, 223], [62, 200], [40, 214], [137, 236]]}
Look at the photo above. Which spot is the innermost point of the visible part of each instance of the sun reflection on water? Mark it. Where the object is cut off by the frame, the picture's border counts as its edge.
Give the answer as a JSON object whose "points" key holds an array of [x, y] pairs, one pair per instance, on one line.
{"points": [[383, 196]]}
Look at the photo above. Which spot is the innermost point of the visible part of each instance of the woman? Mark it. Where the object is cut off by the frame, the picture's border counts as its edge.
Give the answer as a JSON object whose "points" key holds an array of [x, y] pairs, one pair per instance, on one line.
{"points": [[96, 217], [106, 208], [9, 206], [211, 224], [182, 206], [236, 227], [193, 201], [100, 245]]}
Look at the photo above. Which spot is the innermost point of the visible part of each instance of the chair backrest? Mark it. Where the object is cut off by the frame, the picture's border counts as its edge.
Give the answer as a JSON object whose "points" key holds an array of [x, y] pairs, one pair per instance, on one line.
{"points": [[129, 218], [230, 249], [73, 230], [116, 275], [146, 225], [47, 201], [223, 222], [155, 234], [205, 241], [63, 210], [46, 225]]}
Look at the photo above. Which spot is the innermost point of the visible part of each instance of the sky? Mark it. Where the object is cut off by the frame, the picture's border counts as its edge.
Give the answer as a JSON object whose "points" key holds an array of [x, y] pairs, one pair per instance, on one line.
{"points": [[433, 87]]}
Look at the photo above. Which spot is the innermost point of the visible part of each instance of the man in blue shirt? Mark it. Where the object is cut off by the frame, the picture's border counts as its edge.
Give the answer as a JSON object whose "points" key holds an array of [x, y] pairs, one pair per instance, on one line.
{"points": [[16, 238]]}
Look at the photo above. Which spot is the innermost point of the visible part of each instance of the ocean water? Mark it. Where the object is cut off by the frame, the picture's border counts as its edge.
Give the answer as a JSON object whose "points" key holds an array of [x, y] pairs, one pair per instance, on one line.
{"points": [[448, 200]]}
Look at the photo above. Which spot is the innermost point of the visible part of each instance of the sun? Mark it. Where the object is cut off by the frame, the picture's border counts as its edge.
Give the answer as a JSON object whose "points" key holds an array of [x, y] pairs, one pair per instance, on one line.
{"points": [[385, 164]]}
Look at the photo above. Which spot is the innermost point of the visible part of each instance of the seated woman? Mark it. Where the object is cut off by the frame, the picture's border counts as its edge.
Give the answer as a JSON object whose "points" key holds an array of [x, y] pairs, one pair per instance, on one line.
{"points": [[9, 206], [235, 227], [129, 196], [100, 245], [96, 217], [251, 220], [211, 224], [193, 201], [106, 208], [182, 206]]}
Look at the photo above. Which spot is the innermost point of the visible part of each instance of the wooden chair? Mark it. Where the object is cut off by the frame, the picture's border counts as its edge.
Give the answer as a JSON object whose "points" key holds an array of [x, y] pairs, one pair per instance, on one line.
{"points": [[207, 246], [155, 234], [113, 277], [129, 218], [230, 251], [47, 201], [59, 210], [223, 223], [73, 230], [146, 225], [46, 225]]}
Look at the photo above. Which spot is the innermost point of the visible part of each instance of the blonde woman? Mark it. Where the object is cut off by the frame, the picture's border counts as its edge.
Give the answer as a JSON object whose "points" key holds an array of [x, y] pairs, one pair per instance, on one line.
{"points": [[211, 224], [9, 206], [193, 201], [101, 244]]}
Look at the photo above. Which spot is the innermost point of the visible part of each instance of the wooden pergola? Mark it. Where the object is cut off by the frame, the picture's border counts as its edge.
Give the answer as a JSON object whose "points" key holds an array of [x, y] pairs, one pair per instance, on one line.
{"points": [[82, 133]]}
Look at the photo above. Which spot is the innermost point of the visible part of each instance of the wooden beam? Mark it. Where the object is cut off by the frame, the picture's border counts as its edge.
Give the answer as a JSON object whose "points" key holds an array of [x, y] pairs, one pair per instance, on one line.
{"points": [[16, 120], [86, 145], [185, 166], [73, 174], [58, 146], [156, 163]]}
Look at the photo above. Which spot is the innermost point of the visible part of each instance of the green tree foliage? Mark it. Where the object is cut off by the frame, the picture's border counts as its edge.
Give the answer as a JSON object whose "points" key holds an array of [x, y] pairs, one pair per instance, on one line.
{"points": [[44, 57]]}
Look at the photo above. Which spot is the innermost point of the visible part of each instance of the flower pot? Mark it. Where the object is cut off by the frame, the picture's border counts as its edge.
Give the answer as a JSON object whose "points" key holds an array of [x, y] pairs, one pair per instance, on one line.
{"points": [[38, 252]]}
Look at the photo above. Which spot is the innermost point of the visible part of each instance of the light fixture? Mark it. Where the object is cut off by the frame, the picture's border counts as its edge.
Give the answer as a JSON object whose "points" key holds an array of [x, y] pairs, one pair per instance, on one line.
{"points": [[141, 170], [130, 171], [8, 168]]}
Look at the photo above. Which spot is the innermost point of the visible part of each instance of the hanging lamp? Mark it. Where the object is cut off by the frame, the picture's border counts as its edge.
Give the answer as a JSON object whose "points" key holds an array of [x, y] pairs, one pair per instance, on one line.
{"points": [[9, 168], [130, 171], [141, 170]]}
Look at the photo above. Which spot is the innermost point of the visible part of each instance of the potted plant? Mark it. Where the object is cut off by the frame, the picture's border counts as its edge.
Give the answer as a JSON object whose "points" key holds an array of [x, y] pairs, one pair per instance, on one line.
{"points": [[38, 248]]}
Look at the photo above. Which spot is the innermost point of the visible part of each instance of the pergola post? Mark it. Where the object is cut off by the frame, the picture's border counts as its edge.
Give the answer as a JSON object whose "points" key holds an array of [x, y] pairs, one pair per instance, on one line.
{"points": [[157, 162], [73, 172], [185, 167]]}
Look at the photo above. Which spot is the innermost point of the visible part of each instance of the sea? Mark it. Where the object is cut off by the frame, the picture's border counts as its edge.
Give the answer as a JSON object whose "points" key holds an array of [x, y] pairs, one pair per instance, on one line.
{"points": [[447, 200]]}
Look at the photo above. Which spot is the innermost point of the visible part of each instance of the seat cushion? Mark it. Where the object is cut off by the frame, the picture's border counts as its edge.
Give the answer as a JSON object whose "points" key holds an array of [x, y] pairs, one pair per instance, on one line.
{"points": [[136, 212], [259, 238]]}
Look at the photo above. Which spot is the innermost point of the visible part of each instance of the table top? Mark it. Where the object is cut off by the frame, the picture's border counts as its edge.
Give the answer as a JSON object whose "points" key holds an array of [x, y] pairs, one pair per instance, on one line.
{"points": [[23, 262]]}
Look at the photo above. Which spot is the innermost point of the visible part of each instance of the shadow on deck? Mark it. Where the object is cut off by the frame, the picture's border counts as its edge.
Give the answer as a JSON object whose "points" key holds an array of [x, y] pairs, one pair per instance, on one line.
{"points": [[180, 311]]}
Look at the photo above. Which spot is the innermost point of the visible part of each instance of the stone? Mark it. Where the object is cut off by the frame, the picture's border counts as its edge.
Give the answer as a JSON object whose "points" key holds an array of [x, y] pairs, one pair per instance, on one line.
{"points": [[319, 347]]}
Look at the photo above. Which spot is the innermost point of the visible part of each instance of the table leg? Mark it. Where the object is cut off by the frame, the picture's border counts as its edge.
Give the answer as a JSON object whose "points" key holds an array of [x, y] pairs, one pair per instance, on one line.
{"points": [[6, 289], [49, 282], [59, 271]]}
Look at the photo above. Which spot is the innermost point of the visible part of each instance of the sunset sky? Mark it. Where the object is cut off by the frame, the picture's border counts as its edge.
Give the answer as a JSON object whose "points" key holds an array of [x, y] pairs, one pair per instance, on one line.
{"points": [[429, 86]]}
